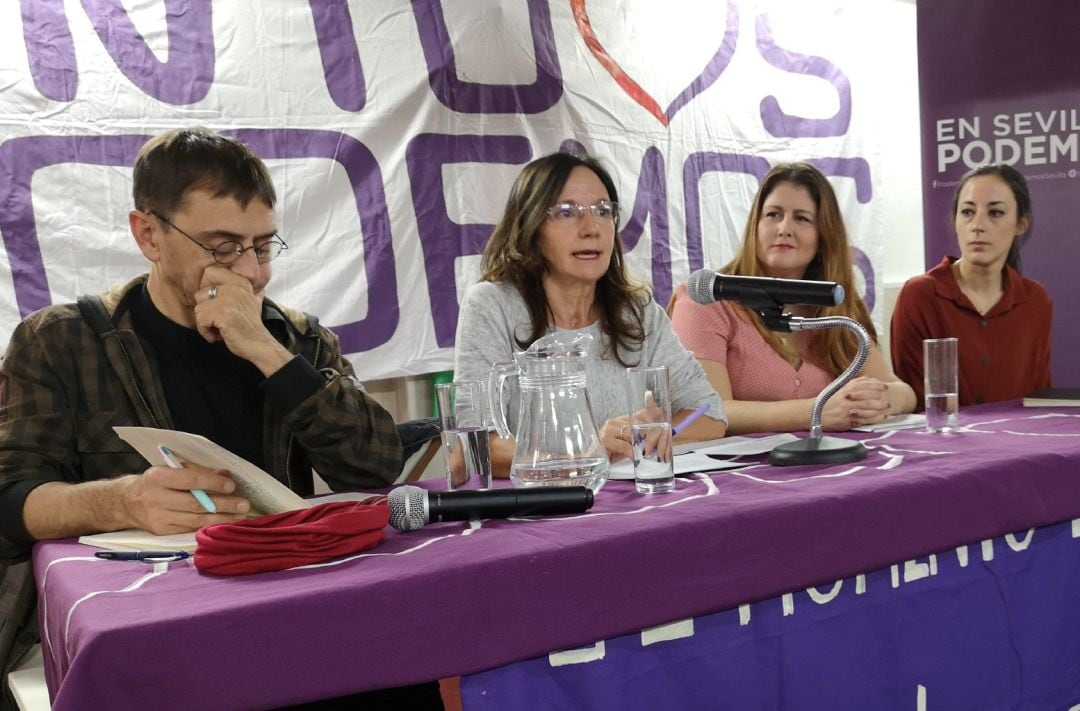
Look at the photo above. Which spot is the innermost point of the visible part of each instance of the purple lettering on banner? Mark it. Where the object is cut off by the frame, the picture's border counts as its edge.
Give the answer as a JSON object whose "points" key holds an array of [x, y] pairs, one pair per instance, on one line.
{"points": [[20, 158], [863, 264], [779, 123], [187, 75], [714, 68], [573, 146], [340, 55], [858, 170], [365, 178], [50, 49], [697, 165], [855, 168], [441, 239], [651, 203], [476, 98]]}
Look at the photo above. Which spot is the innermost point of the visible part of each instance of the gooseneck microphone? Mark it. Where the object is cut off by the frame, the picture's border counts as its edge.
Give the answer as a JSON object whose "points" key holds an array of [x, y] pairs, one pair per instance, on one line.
{"points": [[412, 507], [765, 296], [706, 286]]}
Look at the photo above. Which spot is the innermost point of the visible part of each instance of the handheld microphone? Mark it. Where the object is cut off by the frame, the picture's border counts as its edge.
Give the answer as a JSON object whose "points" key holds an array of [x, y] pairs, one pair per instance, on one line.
{"points": [[706, 286], [412, 507]]}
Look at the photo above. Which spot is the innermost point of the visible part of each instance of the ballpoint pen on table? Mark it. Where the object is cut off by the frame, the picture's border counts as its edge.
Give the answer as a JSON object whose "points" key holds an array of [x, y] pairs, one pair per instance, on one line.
{"points": [[199, 494], [144, 556], [690, 419]]}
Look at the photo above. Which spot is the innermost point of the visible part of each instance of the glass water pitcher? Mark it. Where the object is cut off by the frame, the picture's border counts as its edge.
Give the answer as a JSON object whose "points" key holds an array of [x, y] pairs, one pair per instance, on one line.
{"points": [[557, 440]]}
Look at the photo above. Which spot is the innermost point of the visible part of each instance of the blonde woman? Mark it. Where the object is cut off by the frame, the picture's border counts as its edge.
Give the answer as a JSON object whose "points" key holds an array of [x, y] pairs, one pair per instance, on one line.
{"points": [[769, 380]]}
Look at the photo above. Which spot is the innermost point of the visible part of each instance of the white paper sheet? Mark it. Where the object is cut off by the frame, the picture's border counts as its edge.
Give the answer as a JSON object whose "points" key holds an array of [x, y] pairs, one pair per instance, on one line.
{"points": [[684, 464], [896, 422], [265, 493], [744, 446]]}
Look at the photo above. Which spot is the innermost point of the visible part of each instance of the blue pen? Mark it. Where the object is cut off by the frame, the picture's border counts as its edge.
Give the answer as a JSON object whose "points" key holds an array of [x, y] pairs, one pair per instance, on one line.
{"points": [[143, 556], [690, 419], [199, 494]]}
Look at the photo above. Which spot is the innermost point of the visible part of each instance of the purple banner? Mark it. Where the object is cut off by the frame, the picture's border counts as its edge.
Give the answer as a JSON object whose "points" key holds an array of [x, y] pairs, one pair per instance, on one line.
{"points": [[393, 97], [988, 627], [991, 92], [21, 158]]}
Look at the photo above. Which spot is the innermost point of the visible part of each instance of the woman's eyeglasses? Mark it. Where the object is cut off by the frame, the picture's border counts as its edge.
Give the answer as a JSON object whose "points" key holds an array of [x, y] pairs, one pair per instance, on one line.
{"points": [[571, 212]]}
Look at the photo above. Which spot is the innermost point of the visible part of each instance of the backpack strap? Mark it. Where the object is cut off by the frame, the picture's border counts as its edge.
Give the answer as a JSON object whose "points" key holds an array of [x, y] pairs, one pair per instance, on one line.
{"points": [[93, 310]]}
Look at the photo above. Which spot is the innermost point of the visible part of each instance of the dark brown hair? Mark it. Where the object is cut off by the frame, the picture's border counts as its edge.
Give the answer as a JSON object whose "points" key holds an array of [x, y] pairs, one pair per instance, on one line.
{"points": [[172, 164], [1016, 182], [832, 349], [512, 255]]}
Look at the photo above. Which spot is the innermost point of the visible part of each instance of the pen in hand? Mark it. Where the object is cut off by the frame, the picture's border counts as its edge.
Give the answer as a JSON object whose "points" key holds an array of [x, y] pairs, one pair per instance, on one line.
{"points": [[690, 419], [199, 494]]}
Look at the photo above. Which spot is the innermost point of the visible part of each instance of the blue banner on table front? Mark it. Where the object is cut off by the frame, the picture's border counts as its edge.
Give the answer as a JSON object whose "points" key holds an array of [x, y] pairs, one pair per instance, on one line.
{"points": [[983, 627]]}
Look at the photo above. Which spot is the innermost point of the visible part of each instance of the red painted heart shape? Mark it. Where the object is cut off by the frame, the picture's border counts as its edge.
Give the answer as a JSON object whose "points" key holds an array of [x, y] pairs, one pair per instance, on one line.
{"points": [[702, 81]]}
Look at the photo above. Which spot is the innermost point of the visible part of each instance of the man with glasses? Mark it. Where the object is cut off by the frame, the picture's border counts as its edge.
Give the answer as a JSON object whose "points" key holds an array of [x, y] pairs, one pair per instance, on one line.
{"points": [[193, 345]]}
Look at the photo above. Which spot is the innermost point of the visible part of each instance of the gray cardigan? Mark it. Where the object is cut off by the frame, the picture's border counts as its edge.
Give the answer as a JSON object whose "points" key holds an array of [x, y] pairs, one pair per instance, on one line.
{"points": [[493, 315]]}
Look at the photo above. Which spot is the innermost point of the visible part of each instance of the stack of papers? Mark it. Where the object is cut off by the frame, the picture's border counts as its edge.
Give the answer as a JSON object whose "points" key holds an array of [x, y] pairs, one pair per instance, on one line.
{"points": [[693, 457], [896, 422], [265, 493]]}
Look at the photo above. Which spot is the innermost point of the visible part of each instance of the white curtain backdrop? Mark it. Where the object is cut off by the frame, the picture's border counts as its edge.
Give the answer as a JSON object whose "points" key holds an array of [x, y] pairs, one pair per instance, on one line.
{"points": [[393, 130]]}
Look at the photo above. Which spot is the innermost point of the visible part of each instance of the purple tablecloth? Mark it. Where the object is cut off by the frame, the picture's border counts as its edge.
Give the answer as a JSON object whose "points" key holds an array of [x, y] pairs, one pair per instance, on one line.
{"points": [[450, 599], [985, 627]]}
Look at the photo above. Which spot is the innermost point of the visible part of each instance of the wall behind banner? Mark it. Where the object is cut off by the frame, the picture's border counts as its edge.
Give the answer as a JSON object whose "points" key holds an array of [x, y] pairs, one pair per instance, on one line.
{"points": [[991, 92], [394, 130]]}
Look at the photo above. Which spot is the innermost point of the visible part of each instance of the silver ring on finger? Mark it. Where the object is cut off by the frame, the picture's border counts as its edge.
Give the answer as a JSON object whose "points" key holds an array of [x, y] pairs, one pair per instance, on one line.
{"points": [[212, 293]]}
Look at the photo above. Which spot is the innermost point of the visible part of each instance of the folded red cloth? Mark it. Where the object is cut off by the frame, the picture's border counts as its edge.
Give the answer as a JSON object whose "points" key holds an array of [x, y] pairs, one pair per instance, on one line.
{"points": [[293, 538]]}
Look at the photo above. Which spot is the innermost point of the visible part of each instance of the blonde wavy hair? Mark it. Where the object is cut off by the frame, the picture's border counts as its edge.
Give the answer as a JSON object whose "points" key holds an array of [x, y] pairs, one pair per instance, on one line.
{"points": [[832, 349]]}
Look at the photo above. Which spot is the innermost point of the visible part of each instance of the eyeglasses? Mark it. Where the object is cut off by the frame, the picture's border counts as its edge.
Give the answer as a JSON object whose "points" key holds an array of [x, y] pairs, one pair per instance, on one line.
{"points": [[229, 252], [570, 212]]}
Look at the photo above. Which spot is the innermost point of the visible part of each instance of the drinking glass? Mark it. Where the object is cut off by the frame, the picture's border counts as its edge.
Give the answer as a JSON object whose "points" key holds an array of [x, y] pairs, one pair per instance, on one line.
{"points": [[648, 399], [941, 383], [465, 418]]}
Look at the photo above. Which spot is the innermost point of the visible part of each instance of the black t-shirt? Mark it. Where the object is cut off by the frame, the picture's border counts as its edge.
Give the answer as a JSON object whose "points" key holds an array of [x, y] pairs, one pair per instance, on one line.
{"points": [[209, 390]]}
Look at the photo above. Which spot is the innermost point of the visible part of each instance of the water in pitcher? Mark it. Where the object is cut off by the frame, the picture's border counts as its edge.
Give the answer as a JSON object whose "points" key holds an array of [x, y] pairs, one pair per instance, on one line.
{"points": [[590, 472], [557, 440]]}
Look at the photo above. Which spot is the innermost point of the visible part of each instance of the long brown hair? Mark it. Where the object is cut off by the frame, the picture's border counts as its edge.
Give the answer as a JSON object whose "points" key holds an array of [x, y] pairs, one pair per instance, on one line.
{"points": [[512, 255], [1018, 185], [833, 349]]}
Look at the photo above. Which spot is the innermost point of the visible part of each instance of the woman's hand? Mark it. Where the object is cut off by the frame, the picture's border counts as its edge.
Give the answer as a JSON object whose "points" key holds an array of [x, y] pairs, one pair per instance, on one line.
{"points": [[615, 436], [863, 401]]}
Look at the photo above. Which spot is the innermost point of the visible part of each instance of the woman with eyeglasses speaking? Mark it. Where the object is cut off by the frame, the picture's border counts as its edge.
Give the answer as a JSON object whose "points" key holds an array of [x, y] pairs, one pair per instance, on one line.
{"points": [[554, 262]]}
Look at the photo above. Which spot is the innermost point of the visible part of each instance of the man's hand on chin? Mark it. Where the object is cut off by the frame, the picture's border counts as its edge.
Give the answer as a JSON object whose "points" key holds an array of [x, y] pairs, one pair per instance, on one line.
{"points": [[227, 308]]}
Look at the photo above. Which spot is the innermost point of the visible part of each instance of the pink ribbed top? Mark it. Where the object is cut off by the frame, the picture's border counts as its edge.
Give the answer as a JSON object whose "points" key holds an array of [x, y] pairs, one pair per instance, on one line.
{"points": [[757, 373]]}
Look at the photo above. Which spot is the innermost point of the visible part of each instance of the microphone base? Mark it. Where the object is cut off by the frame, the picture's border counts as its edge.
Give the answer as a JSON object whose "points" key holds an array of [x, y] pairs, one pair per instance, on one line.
{"points": [[821, 450]]}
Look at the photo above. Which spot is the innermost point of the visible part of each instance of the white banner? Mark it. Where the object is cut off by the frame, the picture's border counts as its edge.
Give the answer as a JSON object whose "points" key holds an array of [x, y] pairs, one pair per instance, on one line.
{"points": [[393, 130]]}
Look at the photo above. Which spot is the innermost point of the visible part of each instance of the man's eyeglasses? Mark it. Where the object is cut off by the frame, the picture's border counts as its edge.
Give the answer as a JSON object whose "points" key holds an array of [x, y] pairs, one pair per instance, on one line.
{"points": [[229, 252], [571, 212]]}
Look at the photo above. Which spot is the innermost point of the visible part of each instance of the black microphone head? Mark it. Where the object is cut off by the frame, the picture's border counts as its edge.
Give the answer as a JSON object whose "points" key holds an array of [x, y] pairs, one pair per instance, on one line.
{"points": [[408, 508], [700, 286]]}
